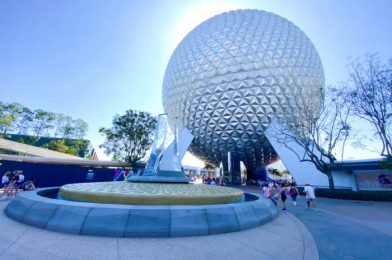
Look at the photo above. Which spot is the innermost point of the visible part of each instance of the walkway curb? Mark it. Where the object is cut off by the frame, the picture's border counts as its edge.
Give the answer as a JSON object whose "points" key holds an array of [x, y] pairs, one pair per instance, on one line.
{"points": [[310, 250]]}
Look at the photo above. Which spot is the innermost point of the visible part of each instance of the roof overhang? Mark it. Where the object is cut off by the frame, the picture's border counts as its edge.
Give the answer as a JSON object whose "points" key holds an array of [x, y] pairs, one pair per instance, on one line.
{"points": [[63, 161], [16, 147]]}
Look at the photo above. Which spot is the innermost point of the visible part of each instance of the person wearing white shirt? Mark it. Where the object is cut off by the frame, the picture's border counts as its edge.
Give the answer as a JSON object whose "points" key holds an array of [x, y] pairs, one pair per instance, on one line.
{"points": [[310, 196]]}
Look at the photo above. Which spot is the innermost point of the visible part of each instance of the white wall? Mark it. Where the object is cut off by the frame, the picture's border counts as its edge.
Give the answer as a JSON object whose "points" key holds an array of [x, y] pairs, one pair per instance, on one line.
{"points": [[303, 172], [343, 179]]}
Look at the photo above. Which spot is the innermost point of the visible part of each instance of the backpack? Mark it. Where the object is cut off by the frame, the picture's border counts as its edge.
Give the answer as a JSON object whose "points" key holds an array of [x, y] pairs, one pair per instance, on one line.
{"points": [[293, 191]]}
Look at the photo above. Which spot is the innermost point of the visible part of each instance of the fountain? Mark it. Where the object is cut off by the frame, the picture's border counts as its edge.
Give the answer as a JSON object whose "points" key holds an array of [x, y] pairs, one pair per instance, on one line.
{"points": [[159, 203]]}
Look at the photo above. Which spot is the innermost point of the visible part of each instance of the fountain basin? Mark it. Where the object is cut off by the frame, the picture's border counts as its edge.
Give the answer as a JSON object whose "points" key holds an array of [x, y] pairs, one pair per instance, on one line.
{"points": [[82, 218], [133, 193]]}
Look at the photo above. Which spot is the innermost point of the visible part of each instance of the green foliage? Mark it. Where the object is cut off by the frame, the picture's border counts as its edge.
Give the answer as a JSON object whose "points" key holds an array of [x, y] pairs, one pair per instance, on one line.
{"points": [[276, 172], [387, 164], [79, 146], [69, 146], [81, 128], [18, 119], [209, 166], [130, 136], [30, 140], [43, 121], [9, 114], [60, 146], [26, 119]]}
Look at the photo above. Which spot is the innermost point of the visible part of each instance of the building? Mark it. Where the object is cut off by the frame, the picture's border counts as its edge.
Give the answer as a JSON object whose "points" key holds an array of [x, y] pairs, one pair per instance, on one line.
{"points": [[233, 75], [362, 175], [51, 168]]}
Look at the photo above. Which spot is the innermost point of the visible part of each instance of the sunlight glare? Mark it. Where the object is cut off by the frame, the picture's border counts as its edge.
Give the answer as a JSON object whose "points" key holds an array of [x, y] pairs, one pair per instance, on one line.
{"points": [[197, 14]]}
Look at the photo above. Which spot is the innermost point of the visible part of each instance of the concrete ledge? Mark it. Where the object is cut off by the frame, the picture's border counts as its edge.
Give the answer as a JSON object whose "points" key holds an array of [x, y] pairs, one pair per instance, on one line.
{"points": [[103, 222], [68, 219], [19, 208], [137, 221], [39, 214], [185, 222], [222, 220], [148, 222]]}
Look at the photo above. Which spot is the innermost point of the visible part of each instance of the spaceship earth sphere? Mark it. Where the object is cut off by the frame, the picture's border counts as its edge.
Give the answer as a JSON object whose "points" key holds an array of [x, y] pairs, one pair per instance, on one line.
{"points": [[234, 74]]}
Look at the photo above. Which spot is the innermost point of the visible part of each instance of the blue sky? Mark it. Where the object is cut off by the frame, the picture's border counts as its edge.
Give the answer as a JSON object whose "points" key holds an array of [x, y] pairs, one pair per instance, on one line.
{"points": [[93, 59]]}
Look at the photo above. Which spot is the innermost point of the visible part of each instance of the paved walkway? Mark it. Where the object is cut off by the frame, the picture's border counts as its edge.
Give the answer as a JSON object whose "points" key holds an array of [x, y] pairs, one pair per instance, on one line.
{"points": [[345, 229], [285, 236], [339, 229]]}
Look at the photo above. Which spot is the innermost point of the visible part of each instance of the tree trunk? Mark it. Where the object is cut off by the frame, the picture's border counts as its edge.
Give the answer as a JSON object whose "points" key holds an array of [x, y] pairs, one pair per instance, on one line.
{"points": [[330, 181]]}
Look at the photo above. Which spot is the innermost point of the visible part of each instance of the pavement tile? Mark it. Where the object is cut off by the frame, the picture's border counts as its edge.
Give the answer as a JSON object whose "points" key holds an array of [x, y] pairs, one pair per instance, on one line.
{"points": [[43, 244], [264, 242]]}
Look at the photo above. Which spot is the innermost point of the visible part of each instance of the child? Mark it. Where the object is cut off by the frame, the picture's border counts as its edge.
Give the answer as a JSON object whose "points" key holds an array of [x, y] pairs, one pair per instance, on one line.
{"points": [[293, 192], [283, 196]]}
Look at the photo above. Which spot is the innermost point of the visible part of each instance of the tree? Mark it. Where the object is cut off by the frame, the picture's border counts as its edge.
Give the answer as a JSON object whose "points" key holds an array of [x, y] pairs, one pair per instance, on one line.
{"points": [[81, 128], [387, 164], [129, 137], [59, 124], [275, 172], [16, 118], [43, 121], [319, 131], [25, 120], [80, 146], [371, 96], [67, 128], [9, 114], [209, 167]]}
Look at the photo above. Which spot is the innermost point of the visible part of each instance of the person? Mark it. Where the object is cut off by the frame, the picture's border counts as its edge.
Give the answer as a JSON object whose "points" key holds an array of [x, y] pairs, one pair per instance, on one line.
{"points": [[29, 185], [5, 179], [126, 173], [12, 186], [293, 192], [283, 195], [19, 181], [20, 178], [264, 190], [310, 196], [212, 182], [274, 195]]}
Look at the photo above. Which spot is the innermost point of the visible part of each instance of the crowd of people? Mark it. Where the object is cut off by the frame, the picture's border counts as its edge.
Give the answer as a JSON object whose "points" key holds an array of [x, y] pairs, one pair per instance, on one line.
{"points": [[282, 190], [207, 179], [11, 182]]}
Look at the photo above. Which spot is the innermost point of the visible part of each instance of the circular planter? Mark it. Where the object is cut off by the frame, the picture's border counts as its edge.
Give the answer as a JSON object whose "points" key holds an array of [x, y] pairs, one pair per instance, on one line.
{"points": [[136, 193], [115, 220]]}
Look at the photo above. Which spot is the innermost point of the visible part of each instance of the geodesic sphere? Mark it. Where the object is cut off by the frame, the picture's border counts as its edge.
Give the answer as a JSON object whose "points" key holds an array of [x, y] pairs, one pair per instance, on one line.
{"points": [[235, 73]]}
